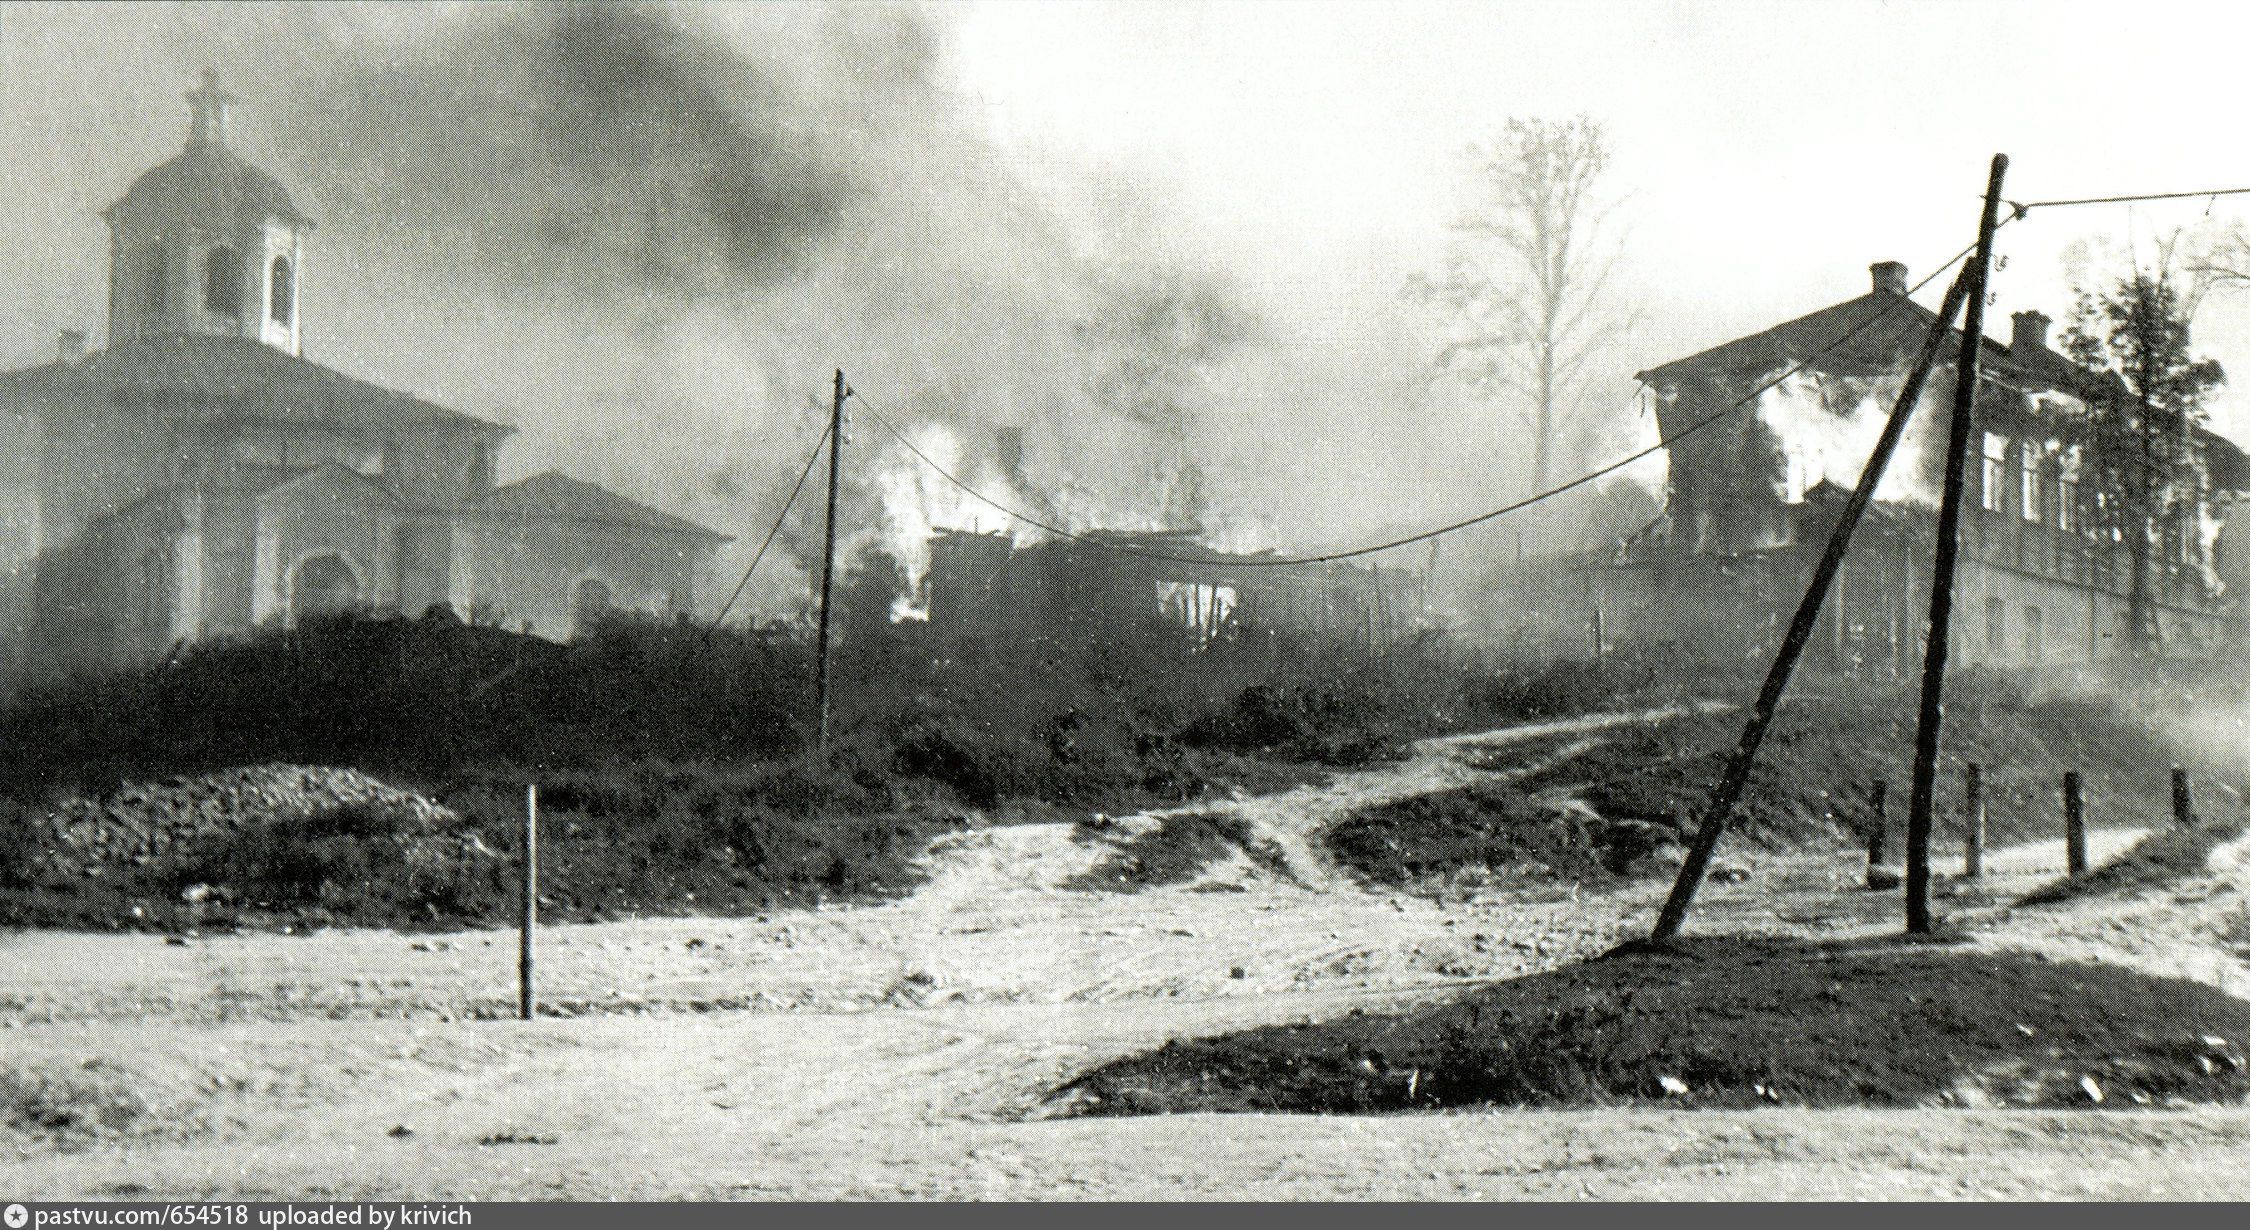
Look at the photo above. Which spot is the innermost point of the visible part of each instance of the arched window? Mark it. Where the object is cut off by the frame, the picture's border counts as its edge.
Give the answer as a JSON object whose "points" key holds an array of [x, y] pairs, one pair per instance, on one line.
{"points": [[159, 272], [325, 585], [222, 281], [284, 291], [589, 603]]}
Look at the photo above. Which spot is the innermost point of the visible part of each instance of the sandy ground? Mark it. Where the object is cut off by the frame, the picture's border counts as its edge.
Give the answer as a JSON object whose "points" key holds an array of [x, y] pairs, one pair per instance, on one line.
{"points": [[903, 1050]]}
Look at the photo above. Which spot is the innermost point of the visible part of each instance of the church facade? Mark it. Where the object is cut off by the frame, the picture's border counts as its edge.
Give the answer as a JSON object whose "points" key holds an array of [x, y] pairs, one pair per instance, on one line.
{"points": [[198, 477]]}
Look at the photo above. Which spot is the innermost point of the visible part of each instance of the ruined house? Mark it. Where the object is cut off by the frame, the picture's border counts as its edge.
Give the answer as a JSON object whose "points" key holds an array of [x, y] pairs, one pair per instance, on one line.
{"points": [[987, 586], [1753, 494], [199, 477]]}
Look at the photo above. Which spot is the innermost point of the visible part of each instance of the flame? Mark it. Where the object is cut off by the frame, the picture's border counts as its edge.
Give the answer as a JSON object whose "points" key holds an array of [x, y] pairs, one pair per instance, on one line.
{"points": [[917, 502], [1827, 426]]}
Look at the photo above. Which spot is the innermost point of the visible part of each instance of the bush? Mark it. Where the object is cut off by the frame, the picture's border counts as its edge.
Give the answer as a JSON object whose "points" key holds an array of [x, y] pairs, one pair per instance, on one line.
{"points": [[20, 845]]}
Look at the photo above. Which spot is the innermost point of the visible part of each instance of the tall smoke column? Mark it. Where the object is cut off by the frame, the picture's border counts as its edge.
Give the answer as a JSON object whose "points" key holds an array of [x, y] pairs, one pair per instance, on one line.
{"points": [[645, 232]]}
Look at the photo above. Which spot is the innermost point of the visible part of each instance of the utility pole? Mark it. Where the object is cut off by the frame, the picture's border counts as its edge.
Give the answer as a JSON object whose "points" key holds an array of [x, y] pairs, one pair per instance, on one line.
{"points": [[828, 555], [1729, 791], [1920, 802]]}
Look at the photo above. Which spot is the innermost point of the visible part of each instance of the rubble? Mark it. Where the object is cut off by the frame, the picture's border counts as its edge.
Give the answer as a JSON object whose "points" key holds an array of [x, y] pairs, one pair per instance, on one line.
{"points": [[141, 823]]}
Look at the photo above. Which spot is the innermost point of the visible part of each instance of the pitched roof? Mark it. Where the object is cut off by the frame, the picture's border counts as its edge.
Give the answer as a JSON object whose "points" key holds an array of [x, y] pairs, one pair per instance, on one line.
{"points": [[341, 475], [1878, 330], [559, 497], [235, 376], [1860, 336]]}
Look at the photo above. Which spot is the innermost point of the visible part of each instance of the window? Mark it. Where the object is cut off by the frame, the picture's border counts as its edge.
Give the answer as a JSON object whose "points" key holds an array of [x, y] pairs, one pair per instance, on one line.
{"points": [[1996, 627], [222, 281], [159, 273], [2066, 504], [2034, 505], [2034, 633], [283, 292], [1995, 453]]}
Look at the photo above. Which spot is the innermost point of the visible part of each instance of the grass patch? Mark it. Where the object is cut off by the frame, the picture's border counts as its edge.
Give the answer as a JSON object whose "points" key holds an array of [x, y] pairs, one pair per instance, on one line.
{"points": [[2163, 857], [1173, 852], [1727, 1022], [1481, 825]]}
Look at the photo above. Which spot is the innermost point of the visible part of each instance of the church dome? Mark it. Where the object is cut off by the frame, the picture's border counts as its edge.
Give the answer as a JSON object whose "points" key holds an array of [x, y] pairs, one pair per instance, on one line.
{"points": [[206, 243], [206, 181]]}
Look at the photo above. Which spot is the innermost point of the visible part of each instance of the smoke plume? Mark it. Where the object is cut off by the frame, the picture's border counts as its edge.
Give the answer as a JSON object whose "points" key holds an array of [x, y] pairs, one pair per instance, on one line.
{"points": [[648, 234]]}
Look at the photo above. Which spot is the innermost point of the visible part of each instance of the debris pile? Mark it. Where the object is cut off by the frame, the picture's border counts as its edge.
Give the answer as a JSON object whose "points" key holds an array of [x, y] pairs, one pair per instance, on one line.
{"points": [[1728, 1021], [142, 823]]}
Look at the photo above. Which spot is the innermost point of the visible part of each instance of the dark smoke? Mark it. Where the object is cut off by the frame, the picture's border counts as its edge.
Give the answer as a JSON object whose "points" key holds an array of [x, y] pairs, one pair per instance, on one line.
{"points": [[590, 145], [1158, 332], [657, 229]]}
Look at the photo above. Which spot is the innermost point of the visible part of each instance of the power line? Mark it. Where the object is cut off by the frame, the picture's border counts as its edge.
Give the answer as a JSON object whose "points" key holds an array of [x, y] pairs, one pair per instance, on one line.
{"points": [[1426, 535], [786, 505], [2023, 207]]}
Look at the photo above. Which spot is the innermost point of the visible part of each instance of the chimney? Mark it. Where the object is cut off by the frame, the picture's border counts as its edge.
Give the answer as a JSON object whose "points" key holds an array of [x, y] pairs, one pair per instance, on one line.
{"points": [[2030, 336], [207, 109], [1889, 275], [71, 346]]}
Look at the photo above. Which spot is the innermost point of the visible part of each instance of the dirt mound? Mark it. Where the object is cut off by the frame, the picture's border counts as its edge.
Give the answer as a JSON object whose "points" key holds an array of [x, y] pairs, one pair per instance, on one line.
{"points": [[2163, 857], [1178, 847], [1732, 1022], [1624, 803], [141, 822], [1492, 827]]}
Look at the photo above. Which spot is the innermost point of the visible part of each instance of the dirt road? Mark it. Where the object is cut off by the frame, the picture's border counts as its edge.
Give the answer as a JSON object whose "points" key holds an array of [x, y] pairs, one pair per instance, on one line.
{"points": [[903, 1049]]}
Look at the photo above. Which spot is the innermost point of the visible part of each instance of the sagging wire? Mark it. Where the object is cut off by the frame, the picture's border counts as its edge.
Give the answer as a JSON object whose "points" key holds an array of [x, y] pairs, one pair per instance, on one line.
{"points": [[786, 505]]}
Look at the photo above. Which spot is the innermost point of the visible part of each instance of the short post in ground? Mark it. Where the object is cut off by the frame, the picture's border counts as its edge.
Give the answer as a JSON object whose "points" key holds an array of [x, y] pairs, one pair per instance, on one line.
{"points": [[2074, 822], [1972, 853], [2183, 806], [530, 903], [1875, 795]]}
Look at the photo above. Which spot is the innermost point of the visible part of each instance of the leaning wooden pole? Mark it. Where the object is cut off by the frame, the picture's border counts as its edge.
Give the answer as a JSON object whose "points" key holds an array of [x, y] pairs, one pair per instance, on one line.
{"points": [[828, 557], [1730, 787], [1924, 792]]}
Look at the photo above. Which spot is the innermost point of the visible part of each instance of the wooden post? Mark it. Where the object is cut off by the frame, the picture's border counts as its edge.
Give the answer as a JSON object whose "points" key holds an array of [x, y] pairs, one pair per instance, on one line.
{"points": [[1730, 787], [1924, 792], [2074, 823], [2183, 807], [1597, 635], [1972, 855], [1875, 799], [530, 917], [828, 557]]}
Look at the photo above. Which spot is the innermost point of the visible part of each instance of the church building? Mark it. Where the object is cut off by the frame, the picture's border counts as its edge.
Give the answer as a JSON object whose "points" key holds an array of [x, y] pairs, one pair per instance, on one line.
{"points": [[198, 477]]}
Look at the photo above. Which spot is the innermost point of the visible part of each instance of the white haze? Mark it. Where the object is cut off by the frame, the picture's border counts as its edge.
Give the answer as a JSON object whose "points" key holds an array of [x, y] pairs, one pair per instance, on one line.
{"points": [[1137, 234]]}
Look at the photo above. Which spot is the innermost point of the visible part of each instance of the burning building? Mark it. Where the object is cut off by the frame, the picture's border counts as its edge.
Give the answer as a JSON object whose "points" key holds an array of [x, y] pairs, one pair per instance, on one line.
{"points": [[2044, 576], [988, 586], [198, 477]]}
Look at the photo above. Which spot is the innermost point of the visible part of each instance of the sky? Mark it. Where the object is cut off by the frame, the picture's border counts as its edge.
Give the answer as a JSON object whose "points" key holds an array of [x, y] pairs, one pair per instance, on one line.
{"points": [[997, 216]]}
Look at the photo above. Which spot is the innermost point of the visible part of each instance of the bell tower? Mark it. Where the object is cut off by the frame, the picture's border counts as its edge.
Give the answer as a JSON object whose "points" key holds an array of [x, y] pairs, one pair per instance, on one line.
{"points": [[206, 243]]}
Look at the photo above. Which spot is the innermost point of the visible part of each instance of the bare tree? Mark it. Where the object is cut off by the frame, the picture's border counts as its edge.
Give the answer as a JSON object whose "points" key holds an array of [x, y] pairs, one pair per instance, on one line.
{"points": [[2142, 447], [1524, 286]]}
